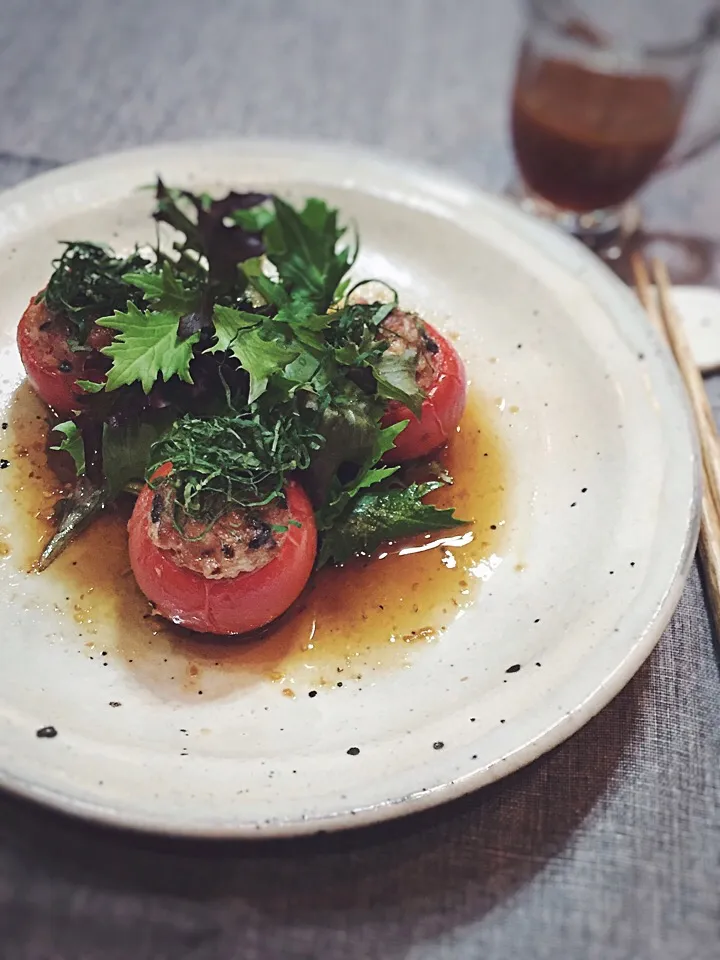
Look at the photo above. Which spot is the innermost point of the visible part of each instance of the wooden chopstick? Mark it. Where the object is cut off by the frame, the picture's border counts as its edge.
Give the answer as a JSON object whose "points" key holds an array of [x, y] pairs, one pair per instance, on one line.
{"points": [[710, 553], [645, 292], [709, 439], [663, 316]]}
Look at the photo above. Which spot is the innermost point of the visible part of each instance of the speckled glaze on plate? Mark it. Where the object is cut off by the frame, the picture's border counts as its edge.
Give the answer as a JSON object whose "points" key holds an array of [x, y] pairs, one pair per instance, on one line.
{"points": [[602, 521]]}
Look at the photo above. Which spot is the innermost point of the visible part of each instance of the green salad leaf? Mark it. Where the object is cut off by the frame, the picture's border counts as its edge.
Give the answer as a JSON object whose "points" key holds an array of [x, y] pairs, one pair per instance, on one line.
{"points": [[126, 449], [147, 348], [365, 443], [72, 443], [254, 220], [261, 358], [395, 377], [350, 427], [303, 246], [228, 323], [91, 386], [164, 289], [374, 518], [241, 333]]}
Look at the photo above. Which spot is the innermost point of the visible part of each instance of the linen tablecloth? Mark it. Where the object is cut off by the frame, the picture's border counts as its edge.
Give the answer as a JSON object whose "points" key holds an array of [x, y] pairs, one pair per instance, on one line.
{"points": [[606, 849]]}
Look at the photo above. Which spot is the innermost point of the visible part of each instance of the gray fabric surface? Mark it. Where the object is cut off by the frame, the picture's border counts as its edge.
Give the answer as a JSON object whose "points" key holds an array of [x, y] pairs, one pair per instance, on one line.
{"points": [[607, 849]]}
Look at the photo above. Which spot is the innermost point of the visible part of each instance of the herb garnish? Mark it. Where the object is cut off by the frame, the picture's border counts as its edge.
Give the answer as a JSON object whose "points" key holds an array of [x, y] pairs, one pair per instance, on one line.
{"points": [[88, 281], [232, 461]]}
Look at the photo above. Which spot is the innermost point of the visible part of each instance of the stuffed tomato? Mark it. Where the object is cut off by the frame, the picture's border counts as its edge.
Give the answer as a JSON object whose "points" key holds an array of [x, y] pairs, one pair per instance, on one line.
{"points": [[441, 377], [52, 366], [229, 577]]}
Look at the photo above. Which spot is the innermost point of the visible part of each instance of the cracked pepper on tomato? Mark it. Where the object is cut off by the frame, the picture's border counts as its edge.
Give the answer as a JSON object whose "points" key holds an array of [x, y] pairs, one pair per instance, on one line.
{"points": [[258, 406]]}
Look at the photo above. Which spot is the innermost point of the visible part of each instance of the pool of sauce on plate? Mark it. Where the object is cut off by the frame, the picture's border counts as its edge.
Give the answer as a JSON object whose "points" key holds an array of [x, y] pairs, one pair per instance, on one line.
{"points": [[371, 613]]}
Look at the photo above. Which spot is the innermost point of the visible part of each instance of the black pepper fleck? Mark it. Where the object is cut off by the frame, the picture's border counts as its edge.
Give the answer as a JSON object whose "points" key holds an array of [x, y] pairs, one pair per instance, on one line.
{"points": [[4, 426], [472, 719], [513, 669], [313, 693], [353, 751], [574, 503], [584, 490], [536, 620], [502, 721], [115, 703], [4, 464], [438, 745], [46, 733], [493, 526], [537, 663], [632, 563]]}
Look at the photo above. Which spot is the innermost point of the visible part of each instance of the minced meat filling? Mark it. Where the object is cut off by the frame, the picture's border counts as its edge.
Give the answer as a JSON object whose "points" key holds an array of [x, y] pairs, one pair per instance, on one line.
{"points": [[241, 541], [406, 331]]}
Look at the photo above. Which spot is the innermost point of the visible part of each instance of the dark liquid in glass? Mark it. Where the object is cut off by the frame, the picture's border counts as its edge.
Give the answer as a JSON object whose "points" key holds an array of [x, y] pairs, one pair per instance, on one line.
{"points": [[586, 140]]}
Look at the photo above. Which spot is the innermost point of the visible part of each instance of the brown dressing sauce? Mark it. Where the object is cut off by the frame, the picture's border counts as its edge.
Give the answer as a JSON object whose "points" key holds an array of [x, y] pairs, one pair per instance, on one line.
{"points": [[370, 613]]}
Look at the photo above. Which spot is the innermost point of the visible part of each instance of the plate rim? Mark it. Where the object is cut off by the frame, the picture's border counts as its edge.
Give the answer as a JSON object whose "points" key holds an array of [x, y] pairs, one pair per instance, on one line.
{"points": [[571, 720]]}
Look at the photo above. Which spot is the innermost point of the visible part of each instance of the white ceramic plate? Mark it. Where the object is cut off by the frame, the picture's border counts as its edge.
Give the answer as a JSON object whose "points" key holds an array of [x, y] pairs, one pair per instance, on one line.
{"points": [[584, 399]]}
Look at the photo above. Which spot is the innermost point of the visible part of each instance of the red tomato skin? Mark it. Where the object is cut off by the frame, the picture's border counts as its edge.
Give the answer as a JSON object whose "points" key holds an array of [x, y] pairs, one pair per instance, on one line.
{"points": [[230, 606], [442, 407], [42, 352]]}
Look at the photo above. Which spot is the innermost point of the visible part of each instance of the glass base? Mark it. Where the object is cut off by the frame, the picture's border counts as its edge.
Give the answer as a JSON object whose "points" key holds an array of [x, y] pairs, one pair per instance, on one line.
{"points": [[604, 231]]}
